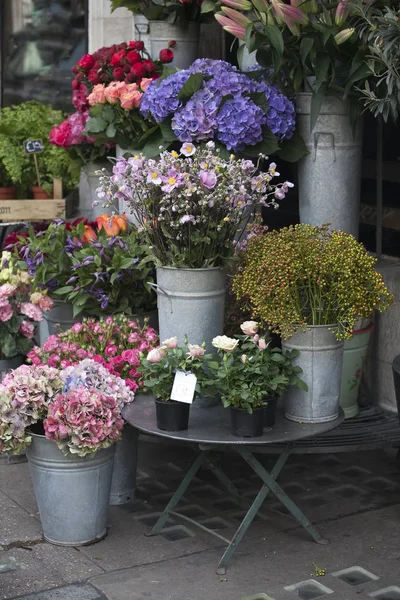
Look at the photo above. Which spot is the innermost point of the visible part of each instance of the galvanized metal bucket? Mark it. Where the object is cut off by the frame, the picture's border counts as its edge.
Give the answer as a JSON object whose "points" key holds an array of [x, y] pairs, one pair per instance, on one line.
{"points": [[355, 351], [191, 302], [330, 175], [320, 357], [72, 493], [187, 38], [61, 314], [9, 364], [123, 483], [88, 183]]}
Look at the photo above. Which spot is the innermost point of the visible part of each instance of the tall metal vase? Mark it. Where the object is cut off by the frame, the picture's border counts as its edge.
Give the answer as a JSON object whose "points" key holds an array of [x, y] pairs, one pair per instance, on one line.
{"points": [[320, 356], [123, 481], [88, 183], [330, 175], [191, 302], [186, 35]]}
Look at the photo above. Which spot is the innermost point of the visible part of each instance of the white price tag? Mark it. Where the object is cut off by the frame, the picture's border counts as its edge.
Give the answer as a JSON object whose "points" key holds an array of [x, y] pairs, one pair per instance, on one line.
{"points": [[184, 387]]}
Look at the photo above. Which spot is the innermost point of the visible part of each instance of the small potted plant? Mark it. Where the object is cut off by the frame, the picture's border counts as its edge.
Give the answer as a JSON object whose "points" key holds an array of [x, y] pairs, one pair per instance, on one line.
{"points": [[69, 422], [21, 310], [7, 189], [27, 121], [159, 369], [249, 374], [310, 284]]}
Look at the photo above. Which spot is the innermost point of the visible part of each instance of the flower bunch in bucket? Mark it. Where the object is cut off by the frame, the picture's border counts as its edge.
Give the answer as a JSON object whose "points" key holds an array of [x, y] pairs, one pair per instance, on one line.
{"points": [[116, 343], [190, 205], [307, 275], [20, 308]]}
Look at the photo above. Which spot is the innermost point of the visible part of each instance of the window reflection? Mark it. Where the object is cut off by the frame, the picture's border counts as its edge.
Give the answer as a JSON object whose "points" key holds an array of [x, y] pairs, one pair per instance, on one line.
{"points": [[42, 40]]}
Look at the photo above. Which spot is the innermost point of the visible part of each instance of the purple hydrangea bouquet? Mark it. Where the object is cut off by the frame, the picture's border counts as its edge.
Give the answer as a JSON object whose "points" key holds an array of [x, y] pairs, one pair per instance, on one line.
{"points": [[190, 205], [213, 100]]}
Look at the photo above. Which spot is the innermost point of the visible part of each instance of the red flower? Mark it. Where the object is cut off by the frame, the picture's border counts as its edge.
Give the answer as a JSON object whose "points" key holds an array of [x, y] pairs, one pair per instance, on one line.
{"points": [[116, 58], [149, 65], [75, 84], [119, 74], [93, 77], [133, 57], [86, 62], [136, 45], [138, 70], [166, 55], [61, 135], [171, 43]]}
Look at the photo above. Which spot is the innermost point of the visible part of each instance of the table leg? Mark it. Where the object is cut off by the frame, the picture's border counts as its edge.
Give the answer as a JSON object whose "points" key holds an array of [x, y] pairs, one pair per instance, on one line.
{"points": [[252, 512], [201, 458], [269, 481], [226, 482]]}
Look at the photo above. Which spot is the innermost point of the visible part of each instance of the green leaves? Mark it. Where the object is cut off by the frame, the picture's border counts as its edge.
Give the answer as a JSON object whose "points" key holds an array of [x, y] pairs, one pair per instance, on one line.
{"points": [[96, 125], [192, 85]]}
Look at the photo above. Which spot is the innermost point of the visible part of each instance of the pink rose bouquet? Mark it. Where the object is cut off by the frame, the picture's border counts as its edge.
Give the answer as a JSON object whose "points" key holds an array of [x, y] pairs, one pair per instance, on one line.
{"points": [[82, 421], [114, 342], [20, 310]]}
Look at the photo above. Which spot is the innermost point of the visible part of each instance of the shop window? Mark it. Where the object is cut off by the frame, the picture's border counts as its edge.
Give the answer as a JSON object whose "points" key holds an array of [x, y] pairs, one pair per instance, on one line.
{"points": [[41, 41]]}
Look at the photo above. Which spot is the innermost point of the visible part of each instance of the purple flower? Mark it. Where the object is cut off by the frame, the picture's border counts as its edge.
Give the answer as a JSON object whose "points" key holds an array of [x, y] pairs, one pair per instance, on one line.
{"points": [[240, 123], [196, 120], [208, 179], [161, 99]]}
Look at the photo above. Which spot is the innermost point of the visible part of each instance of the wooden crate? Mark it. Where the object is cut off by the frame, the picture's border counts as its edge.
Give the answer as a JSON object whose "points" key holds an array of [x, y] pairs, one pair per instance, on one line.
{"points": [[13, 211]]}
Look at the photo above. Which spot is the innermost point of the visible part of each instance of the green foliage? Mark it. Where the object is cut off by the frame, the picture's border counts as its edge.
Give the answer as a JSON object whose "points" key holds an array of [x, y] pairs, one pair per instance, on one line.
{"points": [[161, 10], [32, 120], [306, 275]]}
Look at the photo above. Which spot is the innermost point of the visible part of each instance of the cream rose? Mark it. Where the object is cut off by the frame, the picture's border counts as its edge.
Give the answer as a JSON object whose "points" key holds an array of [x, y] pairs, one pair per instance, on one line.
{"points": [[171, 343], [156, 355], [223, 342], [249, 327], [195, 350]]}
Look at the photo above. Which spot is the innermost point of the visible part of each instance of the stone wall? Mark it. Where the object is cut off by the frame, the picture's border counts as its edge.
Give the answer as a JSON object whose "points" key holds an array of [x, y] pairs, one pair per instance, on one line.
{"points": [[105, 28]]}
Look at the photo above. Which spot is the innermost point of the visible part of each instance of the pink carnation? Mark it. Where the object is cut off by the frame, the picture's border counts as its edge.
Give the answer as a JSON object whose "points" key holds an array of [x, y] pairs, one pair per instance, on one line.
{"points": [[32, 311], [7, 289], [6, 312], [45, 303], [27, 329]]}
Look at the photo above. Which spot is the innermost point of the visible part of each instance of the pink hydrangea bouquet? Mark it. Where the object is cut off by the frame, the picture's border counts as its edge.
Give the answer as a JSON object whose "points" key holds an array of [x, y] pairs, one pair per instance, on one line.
{"points": [[114, 342], [25, 395], [20, 310]]}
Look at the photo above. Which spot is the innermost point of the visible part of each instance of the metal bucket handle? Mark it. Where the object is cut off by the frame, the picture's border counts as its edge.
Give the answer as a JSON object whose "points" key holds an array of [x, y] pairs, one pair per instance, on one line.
{"points": [[159, 289], [317, 135], [142, 28]]}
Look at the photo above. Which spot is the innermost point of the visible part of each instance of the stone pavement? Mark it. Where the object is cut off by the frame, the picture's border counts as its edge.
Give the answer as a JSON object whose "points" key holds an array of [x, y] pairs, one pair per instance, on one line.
{"points": [[353, 498]]}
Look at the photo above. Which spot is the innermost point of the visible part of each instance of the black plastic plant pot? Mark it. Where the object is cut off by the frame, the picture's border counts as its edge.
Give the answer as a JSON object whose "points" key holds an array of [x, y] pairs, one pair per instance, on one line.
{"points": [[270, 410], [172, 416], [244, 424]]}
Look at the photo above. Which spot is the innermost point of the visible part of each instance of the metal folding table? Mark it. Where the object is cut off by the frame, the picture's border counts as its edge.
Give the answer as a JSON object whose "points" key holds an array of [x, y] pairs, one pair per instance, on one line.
{"points": [[209, 430]]}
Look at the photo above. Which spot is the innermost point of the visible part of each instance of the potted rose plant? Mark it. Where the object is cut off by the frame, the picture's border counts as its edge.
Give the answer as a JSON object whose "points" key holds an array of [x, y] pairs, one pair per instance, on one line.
{"points": [[250, 376], [21, 310], [310, 284], [69, 422], [159, 369], [189, 206]]}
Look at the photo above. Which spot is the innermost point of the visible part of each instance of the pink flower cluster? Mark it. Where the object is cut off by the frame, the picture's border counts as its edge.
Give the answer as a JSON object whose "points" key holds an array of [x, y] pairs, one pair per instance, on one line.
{"points": [[31, 388], [128, 95], [71, 132], [114, 342], [82, 421]]}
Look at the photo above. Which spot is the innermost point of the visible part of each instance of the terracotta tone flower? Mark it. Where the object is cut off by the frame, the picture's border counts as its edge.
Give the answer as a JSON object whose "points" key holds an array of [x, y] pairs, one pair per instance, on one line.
{"points": [[89, 235], [112, 225]]}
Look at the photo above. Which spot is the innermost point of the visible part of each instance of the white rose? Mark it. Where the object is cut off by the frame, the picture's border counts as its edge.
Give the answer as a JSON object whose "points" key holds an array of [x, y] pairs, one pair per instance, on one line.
{"points": [[225, 343], [249, 327]]}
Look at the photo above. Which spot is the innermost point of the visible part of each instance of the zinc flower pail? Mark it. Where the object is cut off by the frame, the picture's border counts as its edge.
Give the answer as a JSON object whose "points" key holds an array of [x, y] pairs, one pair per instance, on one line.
{"points": [[320, 356], [123, 481], [187, 38], [72, 493], [329, 177], [88, 183], [191, 302], [61, 314], [9, 364], [355, 351]]}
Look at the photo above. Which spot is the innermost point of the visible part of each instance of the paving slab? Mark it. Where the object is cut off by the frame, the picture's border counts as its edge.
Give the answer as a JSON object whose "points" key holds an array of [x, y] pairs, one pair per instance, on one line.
{"points": [[17, 524], [70, 592], [284, 560]]}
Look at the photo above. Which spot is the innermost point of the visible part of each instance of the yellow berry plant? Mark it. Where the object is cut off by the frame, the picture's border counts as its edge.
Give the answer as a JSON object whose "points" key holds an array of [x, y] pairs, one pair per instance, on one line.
{"points": [[306, 275]]}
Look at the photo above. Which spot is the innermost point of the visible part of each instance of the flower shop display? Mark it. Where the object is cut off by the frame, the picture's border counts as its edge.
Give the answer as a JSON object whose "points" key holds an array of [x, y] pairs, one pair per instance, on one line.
{"points": [[189, 206], [97, 270], [249, 375], [177, 22], [159, 370], [32, 120], [310, 284], [243, 112], [21, 310], [69, 422]]}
